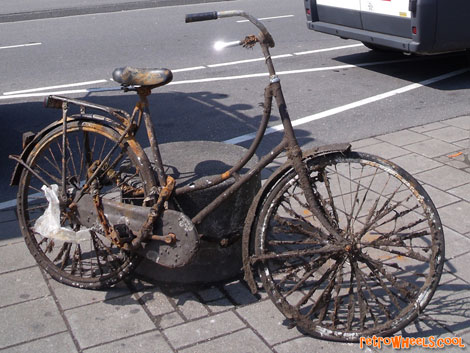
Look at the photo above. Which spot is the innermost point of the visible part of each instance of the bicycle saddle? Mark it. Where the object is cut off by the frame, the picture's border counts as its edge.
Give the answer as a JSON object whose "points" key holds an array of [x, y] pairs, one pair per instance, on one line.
{"points": [[129, 76]]}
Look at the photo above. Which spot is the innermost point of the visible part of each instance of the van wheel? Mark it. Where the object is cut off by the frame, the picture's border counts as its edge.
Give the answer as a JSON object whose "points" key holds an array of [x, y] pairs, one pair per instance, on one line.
{"points": [[380, 48]]}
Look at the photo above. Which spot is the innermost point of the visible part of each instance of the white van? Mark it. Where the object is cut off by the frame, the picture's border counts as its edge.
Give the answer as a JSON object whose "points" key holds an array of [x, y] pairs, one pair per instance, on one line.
{"points": [[415, 26]]}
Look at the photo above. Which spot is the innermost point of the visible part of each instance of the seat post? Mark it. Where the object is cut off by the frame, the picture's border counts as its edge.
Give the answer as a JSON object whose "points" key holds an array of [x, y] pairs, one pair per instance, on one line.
{"points": [[143, 92]]}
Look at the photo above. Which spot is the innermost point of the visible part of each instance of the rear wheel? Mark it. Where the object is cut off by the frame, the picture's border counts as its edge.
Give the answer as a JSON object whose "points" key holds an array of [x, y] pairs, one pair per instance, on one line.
{"points": [[377, 275], [92, 261]]}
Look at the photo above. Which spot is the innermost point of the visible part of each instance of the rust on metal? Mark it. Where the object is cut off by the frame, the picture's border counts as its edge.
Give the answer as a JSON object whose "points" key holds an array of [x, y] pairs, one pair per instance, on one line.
{"points": [[169, 239], [226, 175], [250, 41], [155, 212]]}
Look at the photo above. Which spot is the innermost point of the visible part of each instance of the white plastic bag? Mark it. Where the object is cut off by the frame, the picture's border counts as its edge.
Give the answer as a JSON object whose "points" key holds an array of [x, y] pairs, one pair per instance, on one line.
{"points": [[48, 225]]}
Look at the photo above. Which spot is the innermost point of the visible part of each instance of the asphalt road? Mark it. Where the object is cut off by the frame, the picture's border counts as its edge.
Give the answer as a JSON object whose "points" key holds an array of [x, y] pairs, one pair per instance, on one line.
{"points": [[373, 93]]}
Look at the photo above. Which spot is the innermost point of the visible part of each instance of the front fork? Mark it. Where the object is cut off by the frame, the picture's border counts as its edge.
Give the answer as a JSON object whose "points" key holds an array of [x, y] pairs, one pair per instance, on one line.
{"points": [[294, 154]]}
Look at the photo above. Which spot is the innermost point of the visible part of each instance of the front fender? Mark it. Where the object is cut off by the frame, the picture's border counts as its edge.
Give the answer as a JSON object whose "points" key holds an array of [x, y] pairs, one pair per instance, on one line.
{"points": [[35, 138], [263, 193]]}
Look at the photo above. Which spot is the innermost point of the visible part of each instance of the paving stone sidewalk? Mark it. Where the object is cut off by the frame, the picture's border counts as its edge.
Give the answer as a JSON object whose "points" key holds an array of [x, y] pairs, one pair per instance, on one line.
{"points": [[38, 314]]}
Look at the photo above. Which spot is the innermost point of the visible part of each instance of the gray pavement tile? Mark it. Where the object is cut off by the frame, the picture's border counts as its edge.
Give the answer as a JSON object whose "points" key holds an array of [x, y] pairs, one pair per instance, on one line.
{"points": [[268, 321], [416, 163], [464, 144], [219, 305], [456, 162], [459, 266], [438, 197], [211, 294], [15, 257], [71, 297], [456, 216], [432, 148], [190, 306], [265, 174], [108, 321], [280, 160], [203, 329], [384, 150], [364, 143], [455, 244], [149, 342], [309, 345], [27, 321], [9, 229], [403, 137], [169, 320], [242, 341], [428, 127], [462, 192], [157, 302], [449, 305], [462, 122], [22, 285], [60, 343], [466, 340], [239, 293], [449, 134], [422, 328], [427, 345], [444, 177]]}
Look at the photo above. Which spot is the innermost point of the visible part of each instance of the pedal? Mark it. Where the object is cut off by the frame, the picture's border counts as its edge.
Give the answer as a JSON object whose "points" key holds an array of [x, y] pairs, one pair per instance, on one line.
{"points": [[122, 234]]}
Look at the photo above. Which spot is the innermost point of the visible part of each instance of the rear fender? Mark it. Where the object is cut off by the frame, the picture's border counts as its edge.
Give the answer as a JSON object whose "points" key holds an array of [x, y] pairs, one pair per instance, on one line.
{"points": [[32, 140], [263, 193]]}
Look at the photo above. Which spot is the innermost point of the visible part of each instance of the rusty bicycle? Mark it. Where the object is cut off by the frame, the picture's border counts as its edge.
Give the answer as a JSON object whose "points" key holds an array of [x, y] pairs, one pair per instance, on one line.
{"points": [[345, 243]]}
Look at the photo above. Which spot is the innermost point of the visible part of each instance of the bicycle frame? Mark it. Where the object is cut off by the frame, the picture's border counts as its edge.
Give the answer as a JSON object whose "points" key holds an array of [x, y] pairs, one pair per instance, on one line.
{"points": [[378, 227], [127, 125]]}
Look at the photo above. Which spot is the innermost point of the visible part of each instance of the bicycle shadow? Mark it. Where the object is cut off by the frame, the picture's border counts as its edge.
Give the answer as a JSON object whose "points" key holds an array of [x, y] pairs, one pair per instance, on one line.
{"points": [[446, 315], [178, 116]]}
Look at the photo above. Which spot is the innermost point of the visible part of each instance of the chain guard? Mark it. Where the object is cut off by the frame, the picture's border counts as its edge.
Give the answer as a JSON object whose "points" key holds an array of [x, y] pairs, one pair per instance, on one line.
{"points": [[178, 253]]}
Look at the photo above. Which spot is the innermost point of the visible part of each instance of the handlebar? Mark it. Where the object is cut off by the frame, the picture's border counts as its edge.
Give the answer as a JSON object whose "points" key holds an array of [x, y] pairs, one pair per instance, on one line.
{"points": [[201, 16], [206, 16]]}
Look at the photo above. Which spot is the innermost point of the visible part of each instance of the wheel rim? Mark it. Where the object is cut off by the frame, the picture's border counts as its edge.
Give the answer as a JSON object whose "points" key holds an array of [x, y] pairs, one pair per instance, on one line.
{"points": [[95, 262], [378, 277]]}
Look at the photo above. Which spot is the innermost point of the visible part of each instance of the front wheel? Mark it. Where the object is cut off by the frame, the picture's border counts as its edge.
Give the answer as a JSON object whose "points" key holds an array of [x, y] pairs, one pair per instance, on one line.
{"points": [[91, 260], [381, 270]]}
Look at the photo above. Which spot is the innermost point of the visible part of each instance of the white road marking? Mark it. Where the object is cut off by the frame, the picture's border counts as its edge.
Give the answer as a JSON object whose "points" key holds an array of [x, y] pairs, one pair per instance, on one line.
{"points": [[20, 93], [55, 87], [324, 114], [7, 204], [20, 45], [72, 91], [267, 18], [190, 69], [350, 106], [291, 72], [249, 60], [215, 79], [328, 49]]}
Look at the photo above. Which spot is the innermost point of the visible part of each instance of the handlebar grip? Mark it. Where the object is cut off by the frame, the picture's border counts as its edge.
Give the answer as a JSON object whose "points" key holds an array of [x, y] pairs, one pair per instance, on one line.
{"points": [[201, 16]]}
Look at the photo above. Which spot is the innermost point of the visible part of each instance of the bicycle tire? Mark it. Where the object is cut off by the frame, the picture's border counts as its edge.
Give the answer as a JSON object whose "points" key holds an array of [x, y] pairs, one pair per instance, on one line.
{"points": [[95, 263], [382, 270]]}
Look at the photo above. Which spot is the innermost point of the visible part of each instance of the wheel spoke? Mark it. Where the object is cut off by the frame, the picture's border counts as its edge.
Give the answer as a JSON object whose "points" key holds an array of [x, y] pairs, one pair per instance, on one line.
{"points": [[367, 279], [89, 264]]}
